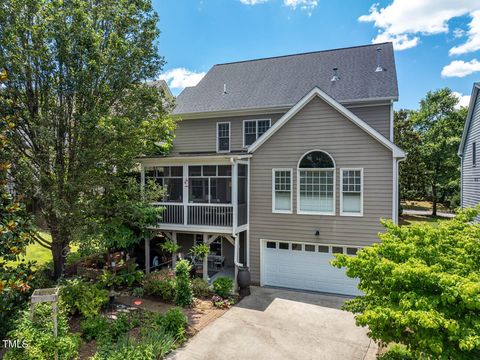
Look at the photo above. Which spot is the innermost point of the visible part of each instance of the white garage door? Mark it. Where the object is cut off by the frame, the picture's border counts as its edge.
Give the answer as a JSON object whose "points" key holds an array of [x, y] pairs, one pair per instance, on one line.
{"points": [[306, 267]]}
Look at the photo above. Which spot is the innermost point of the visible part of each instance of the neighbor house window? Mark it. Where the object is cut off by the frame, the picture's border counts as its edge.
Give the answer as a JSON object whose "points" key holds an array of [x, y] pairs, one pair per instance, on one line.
{"points": [[282, 190], [170, 178], [316, 179], [223, 137], [253, 129], [351, 200], [474, 153]]}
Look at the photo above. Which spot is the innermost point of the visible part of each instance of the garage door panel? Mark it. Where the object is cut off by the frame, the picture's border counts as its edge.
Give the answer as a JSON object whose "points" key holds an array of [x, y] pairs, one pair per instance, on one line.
{"points": [[305, 270]]}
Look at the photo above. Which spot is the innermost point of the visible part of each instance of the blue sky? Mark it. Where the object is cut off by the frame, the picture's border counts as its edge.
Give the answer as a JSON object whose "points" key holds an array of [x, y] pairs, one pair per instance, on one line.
{"points": [[437, 42]]}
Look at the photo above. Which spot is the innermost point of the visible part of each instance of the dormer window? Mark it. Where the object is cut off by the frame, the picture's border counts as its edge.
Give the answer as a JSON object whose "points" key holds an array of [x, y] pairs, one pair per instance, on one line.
{"points": [[223, 137], [253, 129]]}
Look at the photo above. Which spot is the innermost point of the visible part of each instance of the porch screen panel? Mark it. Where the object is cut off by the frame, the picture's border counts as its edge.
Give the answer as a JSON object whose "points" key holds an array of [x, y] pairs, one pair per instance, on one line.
{"points": [[242, 194]]}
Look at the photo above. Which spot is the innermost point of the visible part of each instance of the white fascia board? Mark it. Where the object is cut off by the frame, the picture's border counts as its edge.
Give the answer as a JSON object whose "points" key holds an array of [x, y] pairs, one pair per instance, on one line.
{"points": [[468, 120], [396, 151]]}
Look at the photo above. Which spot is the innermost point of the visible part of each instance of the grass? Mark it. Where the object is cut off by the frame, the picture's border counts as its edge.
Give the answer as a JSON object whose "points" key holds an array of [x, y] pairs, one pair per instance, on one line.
{"points": [[36, 252], [409, 220], [423, 205]]}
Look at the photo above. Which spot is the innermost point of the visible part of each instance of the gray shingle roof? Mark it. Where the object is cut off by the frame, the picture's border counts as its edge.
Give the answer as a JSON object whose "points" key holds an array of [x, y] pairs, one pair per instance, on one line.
{"points": [[283, 80]]}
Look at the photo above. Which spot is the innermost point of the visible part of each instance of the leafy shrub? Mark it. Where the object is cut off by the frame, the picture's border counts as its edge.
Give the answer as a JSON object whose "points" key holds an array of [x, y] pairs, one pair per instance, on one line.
{"points": [[124, 278], [200, 288], [183, 295], [174, 323], [161, 283], [138, 292], [155, 345], [397, 352], [223, 286], [83, 298], [39, 338], [94, 327], [421, 287]]}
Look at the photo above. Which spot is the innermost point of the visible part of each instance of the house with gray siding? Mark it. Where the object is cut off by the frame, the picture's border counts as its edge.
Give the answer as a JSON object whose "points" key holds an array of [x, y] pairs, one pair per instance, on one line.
{"points": [[280, 163], [468, 152]]}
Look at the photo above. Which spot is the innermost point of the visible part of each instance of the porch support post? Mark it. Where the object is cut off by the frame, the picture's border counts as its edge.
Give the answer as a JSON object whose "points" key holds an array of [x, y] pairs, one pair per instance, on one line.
{"points": [[205, 259], [142, 176], [235, 196], [147, 255], [185, 194], [174, 256]]}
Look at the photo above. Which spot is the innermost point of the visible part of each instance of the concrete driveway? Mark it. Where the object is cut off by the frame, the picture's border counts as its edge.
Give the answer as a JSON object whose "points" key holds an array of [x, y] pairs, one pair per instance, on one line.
{"points": [[281, 324]]}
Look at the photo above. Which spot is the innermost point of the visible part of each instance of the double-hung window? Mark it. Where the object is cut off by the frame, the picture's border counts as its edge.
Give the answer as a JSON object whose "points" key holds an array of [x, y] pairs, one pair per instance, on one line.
{"points": [[282, 191], [253, 129], [351, 198], [316, 184], [223, 137]]}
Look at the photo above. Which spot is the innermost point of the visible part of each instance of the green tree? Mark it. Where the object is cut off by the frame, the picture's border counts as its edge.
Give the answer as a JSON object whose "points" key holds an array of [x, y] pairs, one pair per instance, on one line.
{"points": [[16, 232], [439, 126], [78, 73], [413, 182], [421, 287]]}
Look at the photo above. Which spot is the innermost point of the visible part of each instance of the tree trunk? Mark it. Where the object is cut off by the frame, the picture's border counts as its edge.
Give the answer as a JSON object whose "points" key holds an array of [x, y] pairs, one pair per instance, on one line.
{"points": [[434, 200], [60, 239]]}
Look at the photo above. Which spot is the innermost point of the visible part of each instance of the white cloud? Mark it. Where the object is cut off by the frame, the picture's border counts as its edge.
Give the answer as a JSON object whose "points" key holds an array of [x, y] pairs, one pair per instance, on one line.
{"points": [[460, 68], [308, 5], [180, 78], [473, 42], [463, 100], [404, 20], [253, 2], [302, 4]]}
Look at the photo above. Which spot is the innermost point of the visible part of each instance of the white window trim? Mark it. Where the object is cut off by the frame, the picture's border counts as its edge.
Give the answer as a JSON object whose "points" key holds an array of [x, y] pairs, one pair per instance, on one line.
{"points": [[291, 191], [256, 129], [328, 213], [345, 213], [229, 136]]}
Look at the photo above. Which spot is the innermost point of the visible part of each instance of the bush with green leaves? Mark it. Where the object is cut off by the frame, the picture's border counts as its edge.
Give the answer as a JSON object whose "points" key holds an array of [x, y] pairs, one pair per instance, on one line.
{"points": [[125, 278], [397, 352], [86, 299], [174, 322], [94, 327], [41, 344], [161, 283], [154, 345], [183, 294], [200, 288], [421, 287], [223, 286]]}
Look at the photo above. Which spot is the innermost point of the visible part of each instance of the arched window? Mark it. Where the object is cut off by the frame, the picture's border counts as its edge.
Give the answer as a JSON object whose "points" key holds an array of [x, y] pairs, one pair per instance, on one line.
{"points": [[316, 179]]}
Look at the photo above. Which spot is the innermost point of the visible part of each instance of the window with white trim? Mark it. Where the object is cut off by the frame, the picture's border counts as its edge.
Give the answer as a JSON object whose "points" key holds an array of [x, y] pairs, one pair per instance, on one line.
{"points": [[223, 137], [316, 179], [352, 196], [282, 190], [253, 129]]}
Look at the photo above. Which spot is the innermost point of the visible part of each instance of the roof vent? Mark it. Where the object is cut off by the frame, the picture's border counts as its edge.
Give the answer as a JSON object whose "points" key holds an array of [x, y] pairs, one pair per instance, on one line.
{"points": [[335, 76], [379, 60], [224, 88]]}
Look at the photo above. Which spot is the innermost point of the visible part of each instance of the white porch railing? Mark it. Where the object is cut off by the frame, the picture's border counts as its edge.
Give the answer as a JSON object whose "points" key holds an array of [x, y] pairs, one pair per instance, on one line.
{"points": [[197, 214]]}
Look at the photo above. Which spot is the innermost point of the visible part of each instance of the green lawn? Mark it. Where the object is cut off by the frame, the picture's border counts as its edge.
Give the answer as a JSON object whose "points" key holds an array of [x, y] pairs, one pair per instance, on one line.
{"points": [[409, 220], [422, 205], [36, 252]]}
